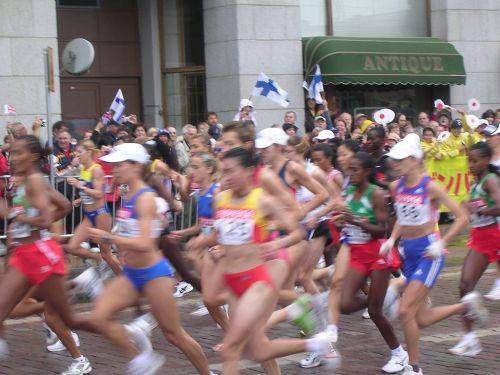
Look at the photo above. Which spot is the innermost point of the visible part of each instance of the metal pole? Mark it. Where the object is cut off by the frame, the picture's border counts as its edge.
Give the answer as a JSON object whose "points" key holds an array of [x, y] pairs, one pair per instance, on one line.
{"points": [[47, 108]]}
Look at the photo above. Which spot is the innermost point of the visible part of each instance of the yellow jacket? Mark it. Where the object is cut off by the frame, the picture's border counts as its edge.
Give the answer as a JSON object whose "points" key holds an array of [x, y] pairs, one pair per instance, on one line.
{"points": [[431, 150], [454, 146]]}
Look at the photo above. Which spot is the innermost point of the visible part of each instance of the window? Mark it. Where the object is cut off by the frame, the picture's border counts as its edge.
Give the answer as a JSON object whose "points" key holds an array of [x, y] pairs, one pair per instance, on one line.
{"points": [[184, 70], [379, 18], [313, 17]]}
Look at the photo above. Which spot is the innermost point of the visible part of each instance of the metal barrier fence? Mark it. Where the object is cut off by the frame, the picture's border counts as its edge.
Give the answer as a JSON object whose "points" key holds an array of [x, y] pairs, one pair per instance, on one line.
{"points": [[184, 219]]}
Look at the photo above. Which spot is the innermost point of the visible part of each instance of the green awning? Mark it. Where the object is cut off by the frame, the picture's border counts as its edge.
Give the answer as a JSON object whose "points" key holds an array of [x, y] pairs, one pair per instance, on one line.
{"points": [[383, 61]]}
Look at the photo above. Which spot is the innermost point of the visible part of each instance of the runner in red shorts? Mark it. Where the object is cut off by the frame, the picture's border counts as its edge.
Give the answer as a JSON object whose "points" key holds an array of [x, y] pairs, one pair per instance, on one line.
{"points": [[364, 224], [484, 207]]}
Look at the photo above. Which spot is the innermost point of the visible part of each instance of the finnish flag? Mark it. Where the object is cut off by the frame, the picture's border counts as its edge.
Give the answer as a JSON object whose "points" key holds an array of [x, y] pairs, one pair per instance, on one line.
{"points": [[265, 86], [118, 106], [315, 88]]}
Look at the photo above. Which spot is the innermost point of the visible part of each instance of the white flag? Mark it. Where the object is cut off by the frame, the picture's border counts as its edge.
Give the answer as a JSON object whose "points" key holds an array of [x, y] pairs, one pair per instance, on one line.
{"points": [[118, 106], [316, 87], [265, 86]]}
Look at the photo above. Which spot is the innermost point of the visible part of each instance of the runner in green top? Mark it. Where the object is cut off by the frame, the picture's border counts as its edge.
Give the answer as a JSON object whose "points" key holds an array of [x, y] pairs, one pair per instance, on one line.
{"points": [[484, 208], [365, 224]]}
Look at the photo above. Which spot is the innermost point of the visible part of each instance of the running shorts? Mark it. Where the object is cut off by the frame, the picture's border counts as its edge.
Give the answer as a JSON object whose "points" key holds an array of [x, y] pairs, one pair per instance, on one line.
{"points": [[39, 260], [239, 282], [365, 258], [139, 277], [486, 240]]}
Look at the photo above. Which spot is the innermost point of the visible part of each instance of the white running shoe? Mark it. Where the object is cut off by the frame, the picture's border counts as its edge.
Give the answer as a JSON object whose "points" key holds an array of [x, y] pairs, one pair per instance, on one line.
{"points": [[182, 288], [95, 250], [312, 360], [408, 370], [4, 350], [79, 366], [201, 310], [494, 293], [475, 307], [147, 363], [89, 282], [139, 332], [468, 346], [146, 322], [366, 314], [396, 364], [50, 336], [85, 245], [58, 346]]}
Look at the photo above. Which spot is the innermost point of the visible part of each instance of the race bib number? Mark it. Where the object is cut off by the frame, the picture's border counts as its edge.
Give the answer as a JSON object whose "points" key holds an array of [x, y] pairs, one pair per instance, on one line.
{"points": [[356, 235], [235, 231], [478, 220]]}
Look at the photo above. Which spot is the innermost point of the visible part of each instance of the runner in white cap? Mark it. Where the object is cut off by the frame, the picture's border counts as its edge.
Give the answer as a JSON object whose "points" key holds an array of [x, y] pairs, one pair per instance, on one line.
{"points": [[416, 200]]}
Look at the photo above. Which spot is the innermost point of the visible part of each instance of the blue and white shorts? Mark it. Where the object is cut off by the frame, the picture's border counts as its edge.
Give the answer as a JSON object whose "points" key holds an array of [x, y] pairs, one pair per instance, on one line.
{"points": [[416, 266]]}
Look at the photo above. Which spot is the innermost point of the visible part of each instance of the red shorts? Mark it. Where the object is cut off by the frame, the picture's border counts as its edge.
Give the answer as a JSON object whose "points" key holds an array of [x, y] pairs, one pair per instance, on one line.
{"points": [[365, 258], [239, 282], [486, 240], [39, 260]]}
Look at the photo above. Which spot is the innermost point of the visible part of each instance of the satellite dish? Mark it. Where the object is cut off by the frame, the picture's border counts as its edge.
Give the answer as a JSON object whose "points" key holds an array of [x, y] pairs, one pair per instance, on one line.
{"points": [[78, 56]]}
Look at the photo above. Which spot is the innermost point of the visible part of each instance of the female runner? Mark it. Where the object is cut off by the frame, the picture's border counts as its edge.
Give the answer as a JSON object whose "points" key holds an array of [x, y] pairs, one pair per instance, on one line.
{"points": [[241, 215], [145, 272], [484, 207], [416, 200], [364, 225], [95, 211]]}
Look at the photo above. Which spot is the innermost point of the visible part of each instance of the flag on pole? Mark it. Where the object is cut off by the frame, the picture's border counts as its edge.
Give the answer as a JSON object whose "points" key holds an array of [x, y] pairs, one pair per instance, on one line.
{"points": [[316, 87], [9, 110], [118, 106], [265, 86]]}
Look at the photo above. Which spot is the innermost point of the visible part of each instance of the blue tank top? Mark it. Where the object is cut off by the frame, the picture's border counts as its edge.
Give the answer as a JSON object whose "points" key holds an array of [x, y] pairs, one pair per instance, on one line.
{"points": [[127, 217], [205, 210], [413, 205]]}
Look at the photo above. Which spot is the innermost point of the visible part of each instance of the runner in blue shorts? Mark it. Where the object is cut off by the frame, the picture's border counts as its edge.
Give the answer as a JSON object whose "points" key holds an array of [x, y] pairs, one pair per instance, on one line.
{"points": [[416, 199]]}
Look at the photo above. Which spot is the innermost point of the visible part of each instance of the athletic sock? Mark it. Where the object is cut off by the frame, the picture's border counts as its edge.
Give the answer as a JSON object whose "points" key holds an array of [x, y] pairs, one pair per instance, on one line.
{"points": [[398, 351], [333, 329], [470, 336]]}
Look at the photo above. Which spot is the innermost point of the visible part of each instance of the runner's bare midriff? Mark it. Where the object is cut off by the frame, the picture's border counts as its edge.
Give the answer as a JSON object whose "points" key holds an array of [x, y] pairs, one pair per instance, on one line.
{"points": [[411, 232]]}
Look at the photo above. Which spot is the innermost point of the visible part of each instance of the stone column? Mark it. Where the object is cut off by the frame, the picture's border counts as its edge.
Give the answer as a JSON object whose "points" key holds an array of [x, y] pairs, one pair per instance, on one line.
{"points": [[150, 62], [470, 26], [244, 38], [27, 27]]}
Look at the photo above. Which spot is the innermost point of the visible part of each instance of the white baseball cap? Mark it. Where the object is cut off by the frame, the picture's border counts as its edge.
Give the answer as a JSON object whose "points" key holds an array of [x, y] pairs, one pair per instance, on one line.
{"points": [[127, 152], [271, 136], [409, 146], [324, 135]]}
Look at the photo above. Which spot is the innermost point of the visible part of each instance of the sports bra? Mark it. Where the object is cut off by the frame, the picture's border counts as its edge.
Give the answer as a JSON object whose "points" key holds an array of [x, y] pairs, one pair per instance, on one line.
{"points": [[128, 219], [205, 210], [21, 205], [86, 176], [413, 205], [240, 223], [282, 176]]}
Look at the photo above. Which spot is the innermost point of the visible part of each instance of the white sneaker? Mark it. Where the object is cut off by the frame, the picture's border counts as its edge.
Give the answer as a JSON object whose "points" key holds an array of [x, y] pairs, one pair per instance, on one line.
{"points": [[147, 363], [146, 322], [332, 359], [139, 332], [50, 336], [408, 370], [366, 314], [58, 346], [201, 310], [4, 350], [95, 250], [467, 346], [494, 293], [396, 364], [79, 366], [182, 288], [89, 282], [475, 307], [85, 245], [312, 360], [319, 304]]}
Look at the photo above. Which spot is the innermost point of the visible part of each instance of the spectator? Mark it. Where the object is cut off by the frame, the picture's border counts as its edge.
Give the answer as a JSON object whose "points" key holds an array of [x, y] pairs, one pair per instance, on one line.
{"points": [[430, 146], [366, 126], [400, 120], [358, 120], [434, 125], [444, 120], [173, 132], [123, 131], [140, 131], [215, 129], [393, 128], [347, 118], [422, 122], [290, 129], [320, 123], [203, 127], [111, 130], [200, 143], [392, 139], [152, 132], [324, 136], [489, 116], [65, 157], [182, 146], [290, 118], [497, 116], [458, 141], [245, 111], [341, 127], [310, 114]]}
